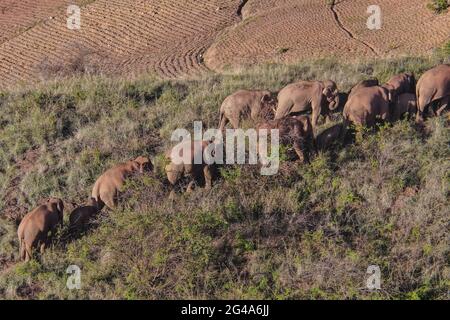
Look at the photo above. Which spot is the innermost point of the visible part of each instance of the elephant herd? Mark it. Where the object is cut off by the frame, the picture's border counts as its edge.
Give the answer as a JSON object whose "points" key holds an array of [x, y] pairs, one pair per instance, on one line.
{"points": [[365, 104]]}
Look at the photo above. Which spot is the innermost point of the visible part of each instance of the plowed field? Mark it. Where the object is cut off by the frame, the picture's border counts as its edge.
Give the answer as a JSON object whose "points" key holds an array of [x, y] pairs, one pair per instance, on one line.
{"points": [[184, 38]]}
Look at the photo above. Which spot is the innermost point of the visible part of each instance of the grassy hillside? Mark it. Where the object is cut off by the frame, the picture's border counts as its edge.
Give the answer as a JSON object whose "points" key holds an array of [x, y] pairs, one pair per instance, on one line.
{"points": [[309, 232]]}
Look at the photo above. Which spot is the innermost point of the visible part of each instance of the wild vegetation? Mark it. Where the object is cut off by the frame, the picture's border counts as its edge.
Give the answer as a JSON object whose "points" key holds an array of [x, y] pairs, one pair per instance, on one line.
{"points": [[309, 232], [438, 6]]}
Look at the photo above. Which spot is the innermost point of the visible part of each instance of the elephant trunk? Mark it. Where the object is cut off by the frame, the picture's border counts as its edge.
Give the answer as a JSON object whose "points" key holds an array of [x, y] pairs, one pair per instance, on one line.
{"points": [[335, 103]]}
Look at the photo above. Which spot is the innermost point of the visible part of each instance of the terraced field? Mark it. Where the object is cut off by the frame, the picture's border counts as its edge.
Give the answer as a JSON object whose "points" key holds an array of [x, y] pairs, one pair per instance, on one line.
{"points": [[19, 16], [185, 38], [287, 30], [167, 37]]}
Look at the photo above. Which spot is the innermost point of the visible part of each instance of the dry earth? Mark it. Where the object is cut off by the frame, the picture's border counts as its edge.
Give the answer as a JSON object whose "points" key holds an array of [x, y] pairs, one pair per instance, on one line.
{"points": [[185, 38], [288, 30]]}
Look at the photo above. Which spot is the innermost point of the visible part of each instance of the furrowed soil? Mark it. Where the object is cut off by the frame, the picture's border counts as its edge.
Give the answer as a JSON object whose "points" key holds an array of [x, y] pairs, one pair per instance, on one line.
{"points": [[175, 39]]}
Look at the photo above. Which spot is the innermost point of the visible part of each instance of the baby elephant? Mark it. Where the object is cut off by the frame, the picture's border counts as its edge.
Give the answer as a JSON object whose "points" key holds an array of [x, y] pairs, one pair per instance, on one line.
{"points": [[326, 138], [406, 103], [108, 185], [35, 226], [182, 164], [294, 131], [80, 216]]}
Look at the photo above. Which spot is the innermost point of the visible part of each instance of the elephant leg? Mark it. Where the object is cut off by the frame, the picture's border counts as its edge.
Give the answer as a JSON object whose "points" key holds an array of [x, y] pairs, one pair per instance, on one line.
{"points": [[190, 186], [299, 150], [315, 117], [28, 251], [223, 122], [43, 246], [109, 200], [172, 195], [235, 122], [444, 104], [419, 116], [22, 251], [208, 177]]}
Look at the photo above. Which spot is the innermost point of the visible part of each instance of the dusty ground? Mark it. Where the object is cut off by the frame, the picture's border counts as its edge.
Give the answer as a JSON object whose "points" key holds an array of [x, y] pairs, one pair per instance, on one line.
{"points": [[185, 38]]}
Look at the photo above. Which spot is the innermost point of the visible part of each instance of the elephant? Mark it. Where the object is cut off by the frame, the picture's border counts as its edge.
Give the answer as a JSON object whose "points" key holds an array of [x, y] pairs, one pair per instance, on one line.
{"points": [[363, 84], [433, 89], [183, 165], [327, 137], [80, 216], [34, 228], [245, 104], [295, 131], [366, 105], [321, 97], [344, 96], [406, 103], [398, 84], [108, 185]]}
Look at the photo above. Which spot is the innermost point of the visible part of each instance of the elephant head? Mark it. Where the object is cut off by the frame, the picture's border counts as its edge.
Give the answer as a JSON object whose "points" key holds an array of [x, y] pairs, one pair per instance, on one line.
{"points": [[331, 93], [173, 173], [57, 206], [268, 103], [144, 163], [398, 84], [411, 79]]}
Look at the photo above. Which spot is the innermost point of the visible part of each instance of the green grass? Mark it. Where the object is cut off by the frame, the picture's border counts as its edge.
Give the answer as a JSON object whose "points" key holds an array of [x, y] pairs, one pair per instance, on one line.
{"points": [[309, 232], [438, 6]]}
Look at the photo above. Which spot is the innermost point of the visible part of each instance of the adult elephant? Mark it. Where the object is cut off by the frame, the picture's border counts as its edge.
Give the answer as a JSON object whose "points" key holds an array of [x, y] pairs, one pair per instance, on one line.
{"points": [[108, 185], [34, 228], [399, 84], [367, 105], [363, 84], [245, 104], [319, 96], [344, 96], [433, 88]]}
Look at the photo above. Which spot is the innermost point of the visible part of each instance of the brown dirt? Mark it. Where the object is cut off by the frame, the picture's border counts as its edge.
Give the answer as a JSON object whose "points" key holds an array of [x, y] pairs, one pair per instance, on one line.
{"points": [[164, 36], [185, 38], [289, 30], [19, 16]]}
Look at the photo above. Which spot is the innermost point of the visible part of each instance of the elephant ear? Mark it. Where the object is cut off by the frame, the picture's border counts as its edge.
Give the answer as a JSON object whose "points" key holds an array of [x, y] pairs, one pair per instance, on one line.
{"points": [[327, 92]]}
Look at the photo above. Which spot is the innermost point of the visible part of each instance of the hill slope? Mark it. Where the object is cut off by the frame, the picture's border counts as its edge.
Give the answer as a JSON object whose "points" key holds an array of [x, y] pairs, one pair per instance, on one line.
{"points": [[309, 232]]}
